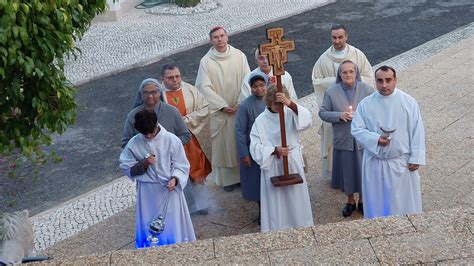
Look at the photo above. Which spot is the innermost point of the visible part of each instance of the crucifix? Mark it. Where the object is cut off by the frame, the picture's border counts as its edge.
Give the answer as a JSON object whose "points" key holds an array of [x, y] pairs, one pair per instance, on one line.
{"points": [[276, 51]]}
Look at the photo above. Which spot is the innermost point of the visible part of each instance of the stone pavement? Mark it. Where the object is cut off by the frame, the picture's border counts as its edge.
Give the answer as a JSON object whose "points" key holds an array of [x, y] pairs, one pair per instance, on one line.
{"points": [[442, 85], [140, 38], [441, 237]]}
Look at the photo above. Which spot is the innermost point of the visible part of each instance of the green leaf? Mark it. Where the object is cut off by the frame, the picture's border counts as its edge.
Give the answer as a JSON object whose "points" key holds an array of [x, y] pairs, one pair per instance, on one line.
{"points": [[15, 7], [3, 37], [38, 6], [4, 51], [3, 4], [26, 8], [24, 36], [15, 30], [39, 73], [28, 66]]}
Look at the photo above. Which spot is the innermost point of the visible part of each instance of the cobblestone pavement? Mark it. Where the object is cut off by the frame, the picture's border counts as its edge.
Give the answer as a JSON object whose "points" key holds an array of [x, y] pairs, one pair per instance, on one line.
{"points": [[76, 215], [139, 38]]}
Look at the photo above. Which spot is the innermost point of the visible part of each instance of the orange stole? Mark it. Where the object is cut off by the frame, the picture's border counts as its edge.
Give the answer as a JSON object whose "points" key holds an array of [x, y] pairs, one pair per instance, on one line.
{"points": [[200, 165]]}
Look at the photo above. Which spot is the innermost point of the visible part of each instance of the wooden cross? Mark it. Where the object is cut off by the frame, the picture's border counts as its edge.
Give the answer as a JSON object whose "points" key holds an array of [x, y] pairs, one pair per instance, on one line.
{"points": [[276, 51]]}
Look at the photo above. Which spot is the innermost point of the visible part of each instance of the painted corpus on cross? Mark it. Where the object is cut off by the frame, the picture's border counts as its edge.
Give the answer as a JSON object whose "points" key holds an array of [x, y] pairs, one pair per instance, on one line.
{"points": [[277, 50]]}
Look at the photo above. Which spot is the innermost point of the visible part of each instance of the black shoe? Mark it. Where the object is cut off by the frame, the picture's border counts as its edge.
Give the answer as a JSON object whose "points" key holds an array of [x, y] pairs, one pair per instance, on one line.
{"points": [[229, 188], [203, 212], [360, 207], [348, 210]]}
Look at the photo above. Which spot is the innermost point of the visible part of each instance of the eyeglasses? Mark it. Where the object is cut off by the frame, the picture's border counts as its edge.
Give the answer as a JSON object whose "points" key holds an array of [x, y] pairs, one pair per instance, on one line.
{"points": [[148, 93]]}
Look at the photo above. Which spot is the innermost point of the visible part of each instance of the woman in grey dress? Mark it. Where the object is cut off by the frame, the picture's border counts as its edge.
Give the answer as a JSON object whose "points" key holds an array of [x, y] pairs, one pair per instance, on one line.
{"points": [[249, 109], [339, 103]]}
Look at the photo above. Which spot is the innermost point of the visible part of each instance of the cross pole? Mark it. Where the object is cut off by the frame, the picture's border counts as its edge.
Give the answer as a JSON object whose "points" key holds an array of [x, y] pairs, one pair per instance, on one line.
{"points": [[276, 51]]}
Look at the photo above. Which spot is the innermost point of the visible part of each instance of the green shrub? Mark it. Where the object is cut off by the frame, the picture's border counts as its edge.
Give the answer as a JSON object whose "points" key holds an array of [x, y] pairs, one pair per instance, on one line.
{"points": [[187, 3], [36, 99]]}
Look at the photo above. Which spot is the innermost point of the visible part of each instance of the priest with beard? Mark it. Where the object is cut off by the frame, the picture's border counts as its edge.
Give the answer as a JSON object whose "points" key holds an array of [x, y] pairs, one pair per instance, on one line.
{"points": [[388, 124]]}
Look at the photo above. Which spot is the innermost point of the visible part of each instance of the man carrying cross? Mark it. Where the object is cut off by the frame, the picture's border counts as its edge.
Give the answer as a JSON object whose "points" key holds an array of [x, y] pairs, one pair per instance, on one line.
{"points": [[288, 206], [285, 200]]}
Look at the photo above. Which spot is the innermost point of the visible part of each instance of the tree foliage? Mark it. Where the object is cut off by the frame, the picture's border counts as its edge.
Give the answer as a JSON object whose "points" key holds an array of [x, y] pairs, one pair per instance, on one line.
{"points": [[36, 98]]}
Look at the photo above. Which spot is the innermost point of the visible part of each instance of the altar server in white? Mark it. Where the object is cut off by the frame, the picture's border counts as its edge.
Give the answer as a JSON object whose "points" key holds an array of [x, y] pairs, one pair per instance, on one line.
{"points": [[157, 161], [389, 126], [289, 206]]}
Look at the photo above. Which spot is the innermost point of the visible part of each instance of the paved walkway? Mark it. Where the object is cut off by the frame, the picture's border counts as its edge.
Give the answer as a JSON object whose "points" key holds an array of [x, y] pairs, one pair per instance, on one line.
{"points": [[440, 79], [441, 237], [140, 38]]}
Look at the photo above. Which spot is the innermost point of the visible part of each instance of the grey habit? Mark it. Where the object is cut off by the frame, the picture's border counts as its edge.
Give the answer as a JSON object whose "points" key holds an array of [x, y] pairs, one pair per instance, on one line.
{"points": [[249, 109], [347, 155], [138, 96], [168, 116]]}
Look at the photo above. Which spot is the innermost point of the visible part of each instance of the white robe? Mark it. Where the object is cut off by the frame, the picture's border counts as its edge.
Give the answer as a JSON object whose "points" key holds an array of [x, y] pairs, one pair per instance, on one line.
{"points": [[324, 75], [219, 79], [197, 108], [286, 81], [151, 187], [289, 206], [389, 188], [197, 116]]}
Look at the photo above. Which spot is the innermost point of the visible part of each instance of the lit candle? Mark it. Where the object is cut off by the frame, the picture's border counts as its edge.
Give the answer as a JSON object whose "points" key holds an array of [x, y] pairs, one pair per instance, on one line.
{"points": [[350, 110]]}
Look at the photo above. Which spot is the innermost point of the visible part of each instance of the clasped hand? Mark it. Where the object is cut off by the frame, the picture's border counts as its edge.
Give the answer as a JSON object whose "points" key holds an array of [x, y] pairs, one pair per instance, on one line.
{"points": [[346, 116], [384, 140], [280, 151], [172, 184], [413, 167], [231, 110]]}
